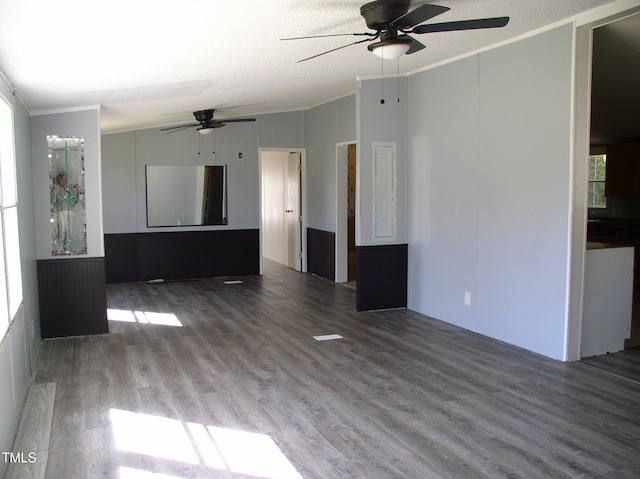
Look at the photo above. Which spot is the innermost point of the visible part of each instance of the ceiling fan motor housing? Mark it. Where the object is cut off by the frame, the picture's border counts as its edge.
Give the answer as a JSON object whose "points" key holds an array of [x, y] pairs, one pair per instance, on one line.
{"points": [[203, 115], [380, 13]]}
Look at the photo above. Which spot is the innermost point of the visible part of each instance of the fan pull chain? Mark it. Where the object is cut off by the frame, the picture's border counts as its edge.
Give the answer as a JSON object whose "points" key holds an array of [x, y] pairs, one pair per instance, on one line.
{"points": [[382, 80], [398, 79]]}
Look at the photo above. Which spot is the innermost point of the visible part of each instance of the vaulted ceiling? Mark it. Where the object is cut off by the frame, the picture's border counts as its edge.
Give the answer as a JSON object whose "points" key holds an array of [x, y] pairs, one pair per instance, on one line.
{"points": [[151, 63]]}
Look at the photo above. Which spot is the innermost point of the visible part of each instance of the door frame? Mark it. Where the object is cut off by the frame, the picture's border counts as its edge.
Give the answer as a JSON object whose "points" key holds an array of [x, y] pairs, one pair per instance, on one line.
{"points": [[342, 233], [303, 201], [580, 151]]}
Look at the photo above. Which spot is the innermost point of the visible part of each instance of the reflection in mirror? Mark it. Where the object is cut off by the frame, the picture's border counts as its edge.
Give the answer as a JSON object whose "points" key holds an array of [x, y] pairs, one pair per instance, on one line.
{"points": [[66, 184], [186, 195]]}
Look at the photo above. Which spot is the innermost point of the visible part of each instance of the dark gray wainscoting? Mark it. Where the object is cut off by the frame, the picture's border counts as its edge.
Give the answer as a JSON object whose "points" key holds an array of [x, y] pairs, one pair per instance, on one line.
{"points": [[72, 296], [382, 277], [321, 253], [181, 255]]}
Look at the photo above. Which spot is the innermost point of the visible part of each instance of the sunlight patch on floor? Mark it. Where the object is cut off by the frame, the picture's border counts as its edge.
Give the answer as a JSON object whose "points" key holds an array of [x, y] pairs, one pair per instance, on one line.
{"points": [[143, 317], [240, 452], [152, 435]]}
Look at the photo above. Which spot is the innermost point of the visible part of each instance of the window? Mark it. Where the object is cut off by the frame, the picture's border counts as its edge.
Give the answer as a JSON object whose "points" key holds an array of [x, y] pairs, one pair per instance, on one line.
{"points": [[10, 267], [597, 175]]}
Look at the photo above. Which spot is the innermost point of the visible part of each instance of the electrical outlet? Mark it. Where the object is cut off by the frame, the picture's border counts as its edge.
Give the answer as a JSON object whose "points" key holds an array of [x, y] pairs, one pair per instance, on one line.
{"points": [[467, 298]]}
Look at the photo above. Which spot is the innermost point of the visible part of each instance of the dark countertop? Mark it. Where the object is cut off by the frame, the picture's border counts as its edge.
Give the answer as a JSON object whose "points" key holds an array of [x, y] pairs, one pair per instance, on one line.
{"points": [[608, 219], [597, 245]]}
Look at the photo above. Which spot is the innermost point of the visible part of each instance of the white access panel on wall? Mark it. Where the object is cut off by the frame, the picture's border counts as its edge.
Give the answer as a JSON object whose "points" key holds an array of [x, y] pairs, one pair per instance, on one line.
{"points": [[384, 191]]}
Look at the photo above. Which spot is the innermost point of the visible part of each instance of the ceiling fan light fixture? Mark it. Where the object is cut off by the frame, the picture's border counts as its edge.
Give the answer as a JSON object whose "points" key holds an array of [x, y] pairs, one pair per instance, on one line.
{"points": [[390, 49], [205, 131]]}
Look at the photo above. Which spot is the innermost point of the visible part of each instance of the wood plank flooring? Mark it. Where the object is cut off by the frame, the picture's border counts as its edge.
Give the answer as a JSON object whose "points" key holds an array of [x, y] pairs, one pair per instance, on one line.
{"points": [[241, 390], [625, 364], [31, 446]]}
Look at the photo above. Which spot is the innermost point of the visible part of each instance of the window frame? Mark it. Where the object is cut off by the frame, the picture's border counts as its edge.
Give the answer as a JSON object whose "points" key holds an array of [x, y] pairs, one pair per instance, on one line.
{"points": [[11, 289], [596, 180]]}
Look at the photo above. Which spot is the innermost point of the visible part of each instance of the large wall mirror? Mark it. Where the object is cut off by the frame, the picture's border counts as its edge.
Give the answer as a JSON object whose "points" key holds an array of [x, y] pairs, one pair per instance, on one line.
{"points": [[186, 195]]}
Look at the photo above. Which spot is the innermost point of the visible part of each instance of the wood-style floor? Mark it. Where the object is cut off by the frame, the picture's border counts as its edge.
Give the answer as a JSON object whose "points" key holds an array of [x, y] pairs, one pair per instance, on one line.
{"points": [[235, 386]]}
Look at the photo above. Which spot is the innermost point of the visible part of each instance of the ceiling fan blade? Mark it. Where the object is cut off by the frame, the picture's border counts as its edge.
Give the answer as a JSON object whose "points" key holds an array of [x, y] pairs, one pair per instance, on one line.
{"points": [[418, 15], [416, 46], [236, 120], [331, 35], [374, 37], [173, 129], [462, 25]]}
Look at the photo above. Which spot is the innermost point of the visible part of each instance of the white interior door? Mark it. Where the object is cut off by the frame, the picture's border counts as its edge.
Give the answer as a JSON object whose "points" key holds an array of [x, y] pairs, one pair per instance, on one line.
{"points": [[292, 221], [273, 206], [281, 207]]}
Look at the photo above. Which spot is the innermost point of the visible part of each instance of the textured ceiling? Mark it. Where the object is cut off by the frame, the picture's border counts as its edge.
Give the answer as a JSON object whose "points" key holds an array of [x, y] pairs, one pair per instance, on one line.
{"points": [[152, 62]]}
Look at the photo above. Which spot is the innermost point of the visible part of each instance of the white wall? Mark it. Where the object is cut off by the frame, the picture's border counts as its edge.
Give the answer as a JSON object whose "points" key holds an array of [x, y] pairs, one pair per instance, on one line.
{"points": [[525, 141], [327, 125], [443, 190], [489, 184], [283, 130], [188, 147], [119, 193], [19, 349], [381, 122], [126, 154]]}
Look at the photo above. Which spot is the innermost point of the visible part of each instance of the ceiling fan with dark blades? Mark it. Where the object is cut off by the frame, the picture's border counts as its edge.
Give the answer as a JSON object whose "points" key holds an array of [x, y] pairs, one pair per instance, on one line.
{"points": [[206, 124], [392, 23]]}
